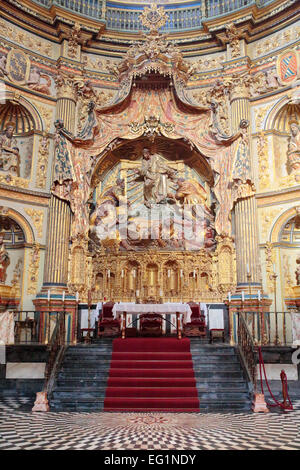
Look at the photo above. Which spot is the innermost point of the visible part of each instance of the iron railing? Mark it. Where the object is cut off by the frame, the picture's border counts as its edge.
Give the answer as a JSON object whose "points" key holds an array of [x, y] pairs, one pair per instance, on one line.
{"points": [[270, 328], [246, 348], [56, 348], [35, 327], [125, 17]]}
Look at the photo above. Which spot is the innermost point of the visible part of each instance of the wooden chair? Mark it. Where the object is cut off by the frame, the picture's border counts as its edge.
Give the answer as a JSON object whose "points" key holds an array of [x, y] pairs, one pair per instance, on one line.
{"points": [[107, 325], [197, 325], [151, 324]]}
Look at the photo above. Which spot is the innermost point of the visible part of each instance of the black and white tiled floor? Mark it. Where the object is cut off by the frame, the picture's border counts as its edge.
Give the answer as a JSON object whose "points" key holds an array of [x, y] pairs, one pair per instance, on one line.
{"points": [[20, 429]]}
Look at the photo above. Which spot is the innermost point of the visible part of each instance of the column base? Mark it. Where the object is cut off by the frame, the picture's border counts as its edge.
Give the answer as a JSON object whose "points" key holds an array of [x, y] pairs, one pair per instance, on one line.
{"points": [[56, 305]]}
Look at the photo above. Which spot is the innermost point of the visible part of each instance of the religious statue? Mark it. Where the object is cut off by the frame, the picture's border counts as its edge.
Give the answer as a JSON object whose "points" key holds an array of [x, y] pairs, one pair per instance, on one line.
{"points": [[297, 272], [63, 165], [157, 176], [4, 260], [293, 152], [190, 192], [9, 151], [104, 223], [192, 195], [35, 81]]}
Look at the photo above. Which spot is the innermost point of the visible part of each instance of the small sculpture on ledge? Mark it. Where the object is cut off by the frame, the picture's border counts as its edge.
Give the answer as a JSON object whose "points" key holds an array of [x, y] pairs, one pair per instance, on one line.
{"points": [[4, 259], [297, 272], [9, 151], [293, 152]]}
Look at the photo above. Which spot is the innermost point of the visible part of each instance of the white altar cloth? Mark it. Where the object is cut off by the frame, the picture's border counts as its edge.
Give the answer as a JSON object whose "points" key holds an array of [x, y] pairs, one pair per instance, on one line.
{"points": [[185, 309]]}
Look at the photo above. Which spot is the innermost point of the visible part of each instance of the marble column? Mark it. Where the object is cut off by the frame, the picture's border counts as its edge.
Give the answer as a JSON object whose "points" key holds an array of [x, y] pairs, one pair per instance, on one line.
{"points": [[56, 266], [56, 263], [245, 210]]}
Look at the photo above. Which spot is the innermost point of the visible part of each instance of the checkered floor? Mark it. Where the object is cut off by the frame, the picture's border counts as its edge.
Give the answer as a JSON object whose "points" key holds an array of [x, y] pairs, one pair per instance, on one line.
{"points": [[22, 429]]}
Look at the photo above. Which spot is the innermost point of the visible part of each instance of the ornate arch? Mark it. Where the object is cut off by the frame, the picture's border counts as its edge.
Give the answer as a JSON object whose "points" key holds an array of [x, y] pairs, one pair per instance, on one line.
{"points": [[281, 220], [280, 114], [29, 110]]}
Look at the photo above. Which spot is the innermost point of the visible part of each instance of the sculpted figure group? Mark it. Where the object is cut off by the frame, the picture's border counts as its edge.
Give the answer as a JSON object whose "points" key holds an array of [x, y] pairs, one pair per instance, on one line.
{"points": [[161, 187]]}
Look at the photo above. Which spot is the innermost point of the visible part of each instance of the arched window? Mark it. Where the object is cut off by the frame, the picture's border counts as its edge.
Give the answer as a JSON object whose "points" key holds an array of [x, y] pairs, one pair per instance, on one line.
{"points": [[13, 233], [290, 232]]}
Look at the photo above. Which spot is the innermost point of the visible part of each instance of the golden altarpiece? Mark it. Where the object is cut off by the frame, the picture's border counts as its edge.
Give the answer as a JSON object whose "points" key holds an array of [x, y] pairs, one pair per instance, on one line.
{"points": [[172, 169], [151, 180]]}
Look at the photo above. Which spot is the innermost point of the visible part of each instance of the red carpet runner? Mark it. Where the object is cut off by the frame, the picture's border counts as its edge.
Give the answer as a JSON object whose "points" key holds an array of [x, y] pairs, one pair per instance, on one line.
{"points": [[151, 374]]}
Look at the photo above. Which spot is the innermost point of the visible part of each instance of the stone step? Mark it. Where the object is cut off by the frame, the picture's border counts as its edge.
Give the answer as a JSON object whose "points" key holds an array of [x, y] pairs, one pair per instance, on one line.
{"points": [[215, 375], [81, 382], [85, 364], [78, 393], [83, 374], [222, 386], [220, 367], [223, 396], [224, 406], [92, 358], [65, 404], [200, 359]]}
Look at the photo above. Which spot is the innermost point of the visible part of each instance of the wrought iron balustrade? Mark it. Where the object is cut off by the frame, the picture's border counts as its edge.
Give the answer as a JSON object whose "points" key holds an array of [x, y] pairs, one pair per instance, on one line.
{"points": [[35, 327], [268, 328]]}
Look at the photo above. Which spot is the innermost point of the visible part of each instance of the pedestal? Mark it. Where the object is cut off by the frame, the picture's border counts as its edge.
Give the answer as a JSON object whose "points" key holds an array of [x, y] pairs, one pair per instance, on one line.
{"points": [[259, 404], [41, 403], [56, 304]]}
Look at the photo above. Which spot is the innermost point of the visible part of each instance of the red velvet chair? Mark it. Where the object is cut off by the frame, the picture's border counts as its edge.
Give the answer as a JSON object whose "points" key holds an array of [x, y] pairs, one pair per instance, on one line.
{"points": [[151, 324], [197, 325], [107, 325]]}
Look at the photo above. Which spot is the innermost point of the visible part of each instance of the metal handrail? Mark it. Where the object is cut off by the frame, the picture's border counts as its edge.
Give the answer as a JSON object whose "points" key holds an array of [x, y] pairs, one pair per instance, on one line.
{"points": [[56, 348], [247, 350]]}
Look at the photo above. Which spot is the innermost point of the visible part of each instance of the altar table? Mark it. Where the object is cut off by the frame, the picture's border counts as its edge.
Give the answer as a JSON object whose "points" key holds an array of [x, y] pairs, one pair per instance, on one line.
{"points": [[180, 309]]}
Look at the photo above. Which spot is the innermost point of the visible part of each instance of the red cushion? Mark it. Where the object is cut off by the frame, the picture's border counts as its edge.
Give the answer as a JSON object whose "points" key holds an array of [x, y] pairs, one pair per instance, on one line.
{"points": [[107, 310]]}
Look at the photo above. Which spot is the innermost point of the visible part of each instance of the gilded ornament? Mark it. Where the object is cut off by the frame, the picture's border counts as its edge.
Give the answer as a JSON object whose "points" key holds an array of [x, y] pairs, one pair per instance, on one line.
{"points": [[74, 41], [37, 217], [33, 269], [42, 164], [27, 40], [234, 36], [154, 17], [263, 161]]}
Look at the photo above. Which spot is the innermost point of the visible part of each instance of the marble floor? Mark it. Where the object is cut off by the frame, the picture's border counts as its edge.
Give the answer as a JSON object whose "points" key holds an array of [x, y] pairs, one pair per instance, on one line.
{"points": [[22, 429]]}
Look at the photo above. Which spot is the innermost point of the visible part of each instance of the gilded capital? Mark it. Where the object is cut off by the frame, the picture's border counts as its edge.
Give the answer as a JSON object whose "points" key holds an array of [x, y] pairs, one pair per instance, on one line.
{"points": [[65, 86]]}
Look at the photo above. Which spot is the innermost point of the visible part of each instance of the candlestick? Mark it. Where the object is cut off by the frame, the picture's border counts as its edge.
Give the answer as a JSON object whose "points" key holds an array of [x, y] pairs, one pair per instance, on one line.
{"points": [[122, 273], [137, 293], [169, 272], [248, 271], [194, 273], [181, 273], [63, 296], [259, 295], [243, 296], [49, 295], [229, 296], [108, 273], [77, 297]]}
